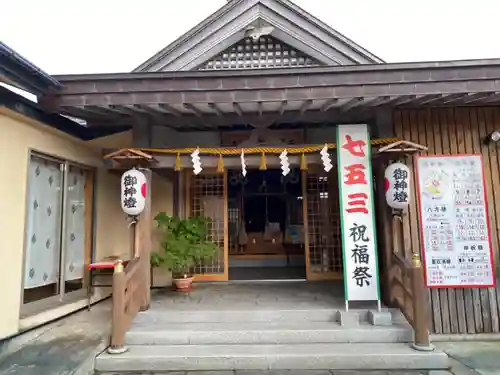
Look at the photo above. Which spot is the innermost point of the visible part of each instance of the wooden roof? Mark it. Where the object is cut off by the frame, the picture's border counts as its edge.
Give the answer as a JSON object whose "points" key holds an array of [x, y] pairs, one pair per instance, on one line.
{"points": [[237, 19], [214, 99]]}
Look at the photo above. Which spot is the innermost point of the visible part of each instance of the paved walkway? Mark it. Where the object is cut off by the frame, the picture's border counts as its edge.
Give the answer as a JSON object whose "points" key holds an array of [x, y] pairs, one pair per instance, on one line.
{"points": [[256, 295], [66, 347], [473, 357], [276, 372]]}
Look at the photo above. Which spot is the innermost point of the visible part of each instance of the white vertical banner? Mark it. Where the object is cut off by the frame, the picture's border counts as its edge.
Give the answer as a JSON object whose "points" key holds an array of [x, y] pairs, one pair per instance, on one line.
{"points": [[359, 242]]}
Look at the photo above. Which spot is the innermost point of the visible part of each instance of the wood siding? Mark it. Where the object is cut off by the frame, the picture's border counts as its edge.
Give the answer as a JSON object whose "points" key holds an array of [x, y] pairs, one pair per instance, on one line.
{"points": [[453, 131]]}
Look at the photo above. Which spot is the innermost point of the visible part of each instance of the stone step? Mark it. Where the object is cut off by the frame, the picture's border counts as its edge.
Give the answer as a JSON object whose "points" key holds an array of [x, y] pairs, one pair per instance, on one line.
{"points": [[254, 316], [264, 333], [373, 356]]}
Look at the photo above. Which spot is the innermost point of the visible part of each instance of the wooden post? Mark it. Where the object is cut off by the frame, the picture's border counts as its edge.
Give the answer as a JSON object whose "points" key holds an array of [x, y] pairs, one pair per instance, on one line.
{"points": [[144, 229], [385, 228], [421, 340], [117, 345]]}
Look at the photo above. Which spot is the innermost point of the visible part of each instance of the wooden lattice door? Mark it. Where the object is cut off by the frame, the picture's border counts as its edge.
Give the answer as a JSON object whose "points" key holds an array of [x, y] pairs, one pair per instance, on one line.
{"points": [[207, 196], [322, 225]]}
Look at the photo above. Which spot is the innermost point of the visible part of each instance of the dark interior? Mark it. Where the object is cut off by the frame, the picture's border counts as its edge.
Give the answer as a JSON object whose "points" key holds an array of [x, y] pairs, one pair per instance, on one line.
{"points": [[265, 208]]}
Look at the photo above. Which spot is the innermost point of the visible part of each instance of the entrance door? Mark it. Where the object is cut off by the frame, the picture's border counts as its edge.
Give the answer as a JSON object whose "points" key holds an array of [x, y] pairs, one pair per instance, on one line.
{"points": [[322, 224], [266, 239], [207, 196]]}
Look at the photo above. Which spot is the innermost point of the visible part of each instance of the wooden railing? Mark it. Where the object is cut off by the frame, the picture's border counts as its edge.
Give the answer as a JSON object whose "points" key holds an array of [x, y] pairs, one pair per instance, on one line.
{"points": [[408, 290], [132, 284], [129, 297]]}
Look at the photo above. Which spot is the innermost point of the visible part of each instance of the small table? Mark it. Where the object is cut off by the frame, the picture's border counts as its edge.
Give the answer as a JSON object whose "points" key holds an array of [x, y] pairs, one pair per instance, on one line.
{"points": [[104, 267]]}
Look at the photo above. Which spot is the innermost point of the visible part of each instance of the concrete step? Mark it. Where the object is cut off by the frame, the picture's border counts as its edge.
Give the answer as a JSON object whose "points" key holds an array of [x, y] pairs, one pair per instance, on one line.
{"points": [[264, 333], [374, 356], [252, 316]]}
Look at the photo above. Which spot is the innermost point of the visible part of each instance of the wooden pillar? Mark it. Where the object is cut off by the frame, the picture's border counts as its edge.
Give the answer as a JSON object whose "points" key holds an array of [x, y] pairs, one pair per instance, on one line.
{"points": [[180, 197], [144, 229], [384, 230]]}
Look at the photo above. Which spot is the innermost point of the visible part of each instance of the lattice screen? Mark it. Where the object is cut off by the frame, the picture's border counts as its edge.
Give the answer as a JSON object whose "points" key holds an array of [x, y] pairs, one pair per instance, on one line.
{"points": [[325, 242], [234, 227], [207, 199], [267, 52]]}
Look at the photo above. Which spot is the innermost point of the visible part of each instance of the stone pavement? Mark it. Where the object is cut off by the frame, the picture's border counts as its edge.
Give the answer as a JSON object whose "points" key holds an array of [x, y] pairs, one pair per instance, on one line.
{"points": [[276, 372], [66, 347], [473, 357]]}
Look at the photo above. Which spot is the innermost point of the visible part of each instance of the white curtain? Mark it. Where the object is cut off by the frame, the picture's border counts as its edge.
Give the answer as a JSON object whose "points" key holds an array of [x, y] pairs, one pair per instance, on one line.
{"points": [[43, 223], [74, 246]]}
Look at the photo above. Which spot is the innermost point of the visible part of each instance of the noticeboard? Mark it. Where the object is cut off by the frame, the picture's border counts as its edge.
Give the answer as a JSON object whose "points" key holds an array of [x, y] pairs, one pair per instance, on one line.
{"points": [[454, 222]]}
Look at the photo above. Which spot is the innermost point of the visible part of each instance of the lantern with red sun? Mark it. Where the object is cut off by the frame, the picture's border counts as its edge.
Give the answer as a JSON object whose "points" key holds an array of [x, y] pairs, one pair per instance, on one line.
{"points": [[134, 187], [397, 185]]}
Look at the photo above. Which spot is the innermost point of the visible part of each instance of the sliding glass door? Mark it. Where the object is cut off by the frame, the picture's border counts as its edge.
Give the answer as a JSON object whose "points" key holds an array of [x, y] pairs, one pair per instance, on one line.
{"points": [[58, 232], [76, 227]]}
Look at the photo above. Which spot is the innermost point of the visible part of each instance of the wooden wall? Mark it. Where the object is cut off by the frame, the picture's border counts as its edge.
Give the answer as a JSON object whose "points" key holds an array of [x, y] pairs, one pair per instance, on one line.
{"points": [[454, 131]]}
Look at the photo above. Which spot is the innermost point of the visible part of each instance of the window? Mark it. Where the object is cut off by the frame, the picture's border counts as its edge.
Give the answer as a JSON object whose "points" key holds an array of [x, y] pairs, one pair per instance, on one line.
{"points": [[58, 229]]}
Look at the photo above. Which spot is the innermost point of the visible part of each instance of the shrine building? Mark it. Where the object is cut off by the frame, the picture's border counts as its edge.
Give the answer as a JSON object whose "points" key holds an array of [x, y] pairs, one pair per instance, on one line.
{"points": [[317, 162]]}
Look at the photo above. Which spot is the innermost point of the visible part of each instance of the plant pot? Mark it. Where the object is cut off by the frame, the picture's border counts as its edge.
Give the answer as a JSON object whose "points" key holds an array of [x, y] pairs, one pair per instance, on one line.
{"points": [[184, 284], [161, 277]]}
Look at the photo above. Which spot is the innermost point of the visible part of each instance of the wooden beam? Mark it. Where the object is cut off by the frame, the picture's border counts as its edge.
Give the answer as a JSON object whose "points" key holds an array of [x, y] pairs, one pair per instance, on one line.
{"points": [[148, 109], [381, 100], [399, 100], [354, 102], [424, 99], [305, 106], [216, 109], [259, 108], [491, 98], [329, 104], [193, 109], [453, 98], [252, 161], [282, 107], [82, 113], [124, 110], [237, 109], [99, 110], [169, 109], [472, 98]]}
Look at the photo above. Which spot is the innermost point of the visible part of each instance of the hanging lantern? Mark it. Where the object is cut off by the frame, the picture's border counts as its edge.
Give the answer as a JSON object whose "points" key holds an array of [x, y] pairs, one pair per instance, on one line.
{"points": [[133, 195], [397, 185]]}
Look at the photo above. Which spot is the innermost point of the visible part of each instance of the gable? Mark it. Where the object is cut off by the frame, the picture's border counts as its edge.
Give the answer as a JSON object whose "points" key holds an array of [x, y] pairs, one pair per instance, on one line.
{"points": [[238, 20], [265, 52]]}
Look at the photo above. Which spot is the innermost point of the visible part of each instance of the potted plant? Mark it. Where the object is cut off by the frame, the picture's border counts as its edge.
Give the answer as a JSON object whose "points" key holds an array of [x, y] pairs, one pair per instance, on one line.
{"points": [[184, 244]]}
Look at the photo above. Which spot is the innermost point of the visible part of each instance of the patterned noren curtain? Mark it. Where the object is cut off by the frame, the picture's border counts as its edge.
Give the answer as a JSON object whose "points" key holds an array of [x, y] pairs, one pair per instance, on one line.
{"points": [[74, 246], [43, 223]]}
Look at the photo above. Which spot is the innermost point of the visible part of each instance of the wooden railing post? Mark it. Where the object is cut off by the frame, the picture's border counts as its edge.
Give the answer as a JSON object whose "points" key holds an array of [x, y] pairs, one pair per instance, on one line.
{"points": [[118, 329], [421, 339]]}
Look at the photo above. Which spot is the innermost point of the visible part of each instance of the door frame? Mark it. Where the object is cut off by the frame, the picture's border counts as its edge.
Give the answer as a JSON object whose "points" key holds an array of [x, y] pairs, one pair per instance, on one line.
{"points": [[310, 275], [188, 176]]}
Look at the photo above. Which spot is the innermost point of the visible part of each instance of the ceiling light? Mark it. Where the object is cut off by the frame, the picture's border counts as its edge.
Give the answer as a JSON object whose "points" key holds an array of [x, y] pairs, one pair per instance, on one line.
{"points": [[495, 136]]}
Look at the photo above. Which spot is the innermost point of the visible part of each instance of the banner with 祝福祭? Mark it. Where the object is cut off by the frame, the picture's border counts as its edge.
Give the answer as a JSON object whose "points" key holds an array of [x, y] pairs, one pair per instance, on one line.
{"points": [[359, 242]]}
